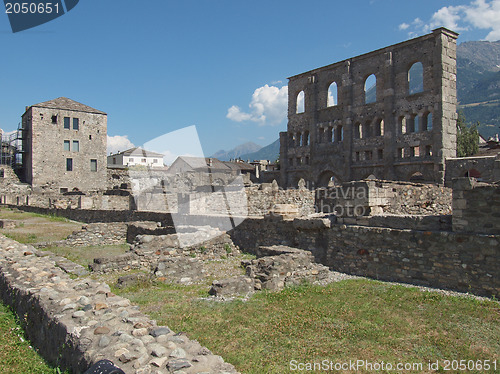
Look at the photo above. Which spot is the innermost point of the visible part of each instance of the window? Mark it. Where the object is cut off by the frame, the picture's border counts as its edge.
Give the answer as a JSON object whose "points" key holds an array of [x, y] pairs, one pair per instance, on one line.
{"points": [[76, 146], [402, 125], [428, 150], [93, 165], [416, 124], [414, 151], [54, 119], [143, 160], [339, 134], [66, 122], [298, 139], [305, 138], [155, 161], [357, 131], [380, 154], [368, 155], [67, 145], [357, 156], [371, 89], [427, 122], [401, 153], [76, 124], [69, 164], [114, 160], [90, 137], [63, 190], [379, 127], [301, 102], [332, 95], [416, 78]]}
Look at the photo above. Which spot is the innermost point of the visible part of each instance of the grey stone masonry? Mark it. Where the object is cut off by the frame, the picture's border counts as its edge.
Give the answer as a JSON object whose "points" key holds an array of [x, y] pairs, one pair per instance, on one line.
{"points": [[476, 206], [64, 146], [76, 322], [402, 128]]}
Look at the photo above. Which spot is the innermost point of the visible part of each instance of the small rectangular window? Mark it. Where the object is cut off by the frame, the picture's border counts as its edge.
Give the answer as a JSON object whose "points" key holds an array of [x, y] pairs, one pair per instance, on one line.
{"points": [[401, 153], [114, 160], [66, 122], [54, 119], [143, 160], [69, 164], [76, 124], [76, 146], [155, 161], [66, 145], [63, 189], [93, 165], [131, 159], [380, 154]]}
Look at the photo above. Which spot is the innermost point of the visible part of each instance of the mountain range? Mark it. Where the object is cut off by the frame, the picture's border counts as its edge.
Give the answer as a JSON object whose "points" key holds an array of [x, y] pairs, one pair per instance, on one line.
{"points": [[237, 152], [478, 93]]}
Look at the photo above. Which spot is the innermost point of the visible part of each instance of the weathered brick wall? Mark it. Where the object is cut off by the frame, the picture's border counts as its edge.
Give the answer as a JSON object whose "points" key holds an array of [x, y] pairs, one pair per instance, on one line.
{"points": [[476, 206]]}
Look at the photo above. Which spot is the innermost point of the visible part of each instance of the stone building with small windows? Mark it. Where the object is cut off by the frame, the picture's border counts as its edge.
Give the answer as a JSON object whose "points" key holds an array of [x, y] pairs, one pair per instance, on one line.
{"points": [[64, 147], [388, 114]]}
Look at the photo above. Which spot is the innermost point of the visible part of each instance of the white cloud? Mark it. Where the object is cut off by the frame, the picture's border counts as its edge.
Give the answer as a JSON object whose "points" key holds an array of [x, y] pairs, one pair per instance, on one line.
{"points": [[480, 14], [119, 143], [267, 107]]}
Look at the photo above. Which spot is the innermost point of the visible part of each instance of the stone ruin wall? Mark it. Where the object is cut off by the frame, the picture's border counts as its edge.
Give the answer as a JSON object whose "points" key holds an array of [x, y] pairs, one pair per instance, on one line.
{"points": [[488, 168], [356, 138], [76, 322], [476, 206]]}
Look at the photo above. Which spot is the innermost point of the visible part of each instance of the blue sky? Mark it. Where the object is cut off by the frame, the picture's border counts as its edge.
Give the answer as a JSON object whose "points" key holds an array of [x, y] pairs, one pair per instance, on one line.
{"points": [[156, 66]]}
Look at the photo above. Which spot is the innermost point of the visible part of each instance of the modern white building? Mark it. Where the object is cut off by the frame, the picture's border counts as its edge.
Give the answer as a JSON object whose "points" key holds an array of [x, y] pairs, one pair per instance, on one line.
{"points": [[134, 157]]}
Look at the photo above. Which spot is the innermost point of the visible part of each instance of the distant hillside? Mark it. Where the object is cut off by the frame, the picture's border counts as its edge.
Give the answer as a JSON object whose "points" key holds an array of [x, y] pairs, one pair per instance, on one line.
{"points": [[270, 152], [236, 152], [478, 84]]}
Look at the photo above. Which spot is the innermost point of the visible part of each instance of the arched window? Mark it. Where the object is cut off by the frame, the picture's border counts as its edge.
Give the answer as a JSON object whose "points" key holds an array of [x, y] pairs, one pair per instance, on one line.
{"points": [[321, 134], [357, 130], [402, 125], [370, 89], [427, 122], [298, 139], [291, 140], [332, 95], [379, 127], [329, 134], [301, 102], [339, 134], [305, 138], [416, 78]]}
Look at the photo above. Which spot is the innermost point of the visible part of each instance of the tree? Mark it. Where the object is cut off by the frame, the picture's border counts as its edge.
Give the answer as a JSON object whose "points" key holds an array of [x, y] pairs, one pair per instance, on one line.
{"points": [[467, 137]]}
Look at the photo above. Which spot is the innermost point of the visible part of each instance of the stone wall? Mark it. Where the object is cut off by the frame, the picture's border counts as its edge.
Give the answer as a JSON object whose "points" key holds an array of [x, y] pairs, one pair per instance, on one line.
{"points": [[76, 322], [94, 234], [485, 168], [459, 261], [45, 159], [393, 131], [476, 206], [377, 197]]}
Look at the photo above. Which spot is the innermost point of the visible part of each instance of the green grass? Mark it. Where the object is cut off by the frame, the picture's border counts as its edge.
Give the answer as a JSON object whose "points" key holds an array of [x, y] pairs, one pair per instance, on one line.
{"points": [[349, 320], [16, 356], [85, 255], [35, 228]]}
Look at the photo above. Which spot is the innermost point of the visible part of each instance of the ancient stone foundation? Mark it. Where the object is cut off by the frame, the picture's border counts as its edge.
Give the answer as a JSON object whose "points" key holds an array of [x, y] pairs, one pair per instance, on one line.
{"points": [[76, 322]]}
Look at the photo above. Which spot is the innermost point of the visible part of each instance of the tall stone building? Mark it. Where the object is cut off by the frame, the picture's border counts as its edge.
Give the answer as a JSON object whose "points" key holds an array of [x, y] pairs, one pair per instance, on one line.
{"points": [[388, 114], [64, 146]]}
